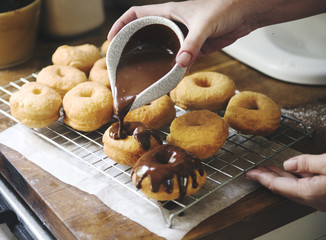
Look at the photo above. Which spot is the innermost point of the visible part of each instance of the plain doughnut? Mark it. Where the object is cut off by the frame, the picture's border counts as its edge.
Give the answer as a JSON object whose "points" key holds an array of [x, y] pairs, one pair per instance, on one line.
{"points": [[252, 113], [203, 90], [200, 132], [82, 57], [35, 105], [99, 73], [156, 114], [104, 47], [61, 78], [88, 106]]}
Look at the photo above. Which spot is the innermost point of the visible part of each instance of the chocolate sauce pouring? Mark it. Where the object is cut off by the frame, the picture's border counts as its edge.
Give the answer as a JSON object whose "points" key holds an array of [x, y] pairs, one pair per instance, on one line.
{"points": [[146, 68], [146, 58]]}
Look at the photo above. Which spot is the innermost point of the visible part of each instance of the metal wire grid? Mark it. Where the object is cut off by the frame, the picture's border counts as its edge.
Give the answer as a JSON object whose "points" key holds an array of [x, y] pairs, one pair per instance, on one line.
{"points": [[239, 153]]}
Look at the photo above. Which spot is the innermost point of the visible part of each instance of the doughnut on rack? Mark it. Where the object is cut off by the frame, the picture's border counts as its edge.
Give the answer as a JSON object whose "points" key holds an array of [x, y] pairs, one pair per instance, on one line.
{"points": [[239, 154]]}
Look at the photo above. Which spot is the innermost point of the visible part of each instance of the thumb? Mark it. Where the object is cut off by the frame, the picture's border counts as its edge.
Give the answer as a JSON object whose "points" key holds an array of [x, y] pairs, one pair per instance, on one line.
{"points": [[190, 48], [306, 163]]}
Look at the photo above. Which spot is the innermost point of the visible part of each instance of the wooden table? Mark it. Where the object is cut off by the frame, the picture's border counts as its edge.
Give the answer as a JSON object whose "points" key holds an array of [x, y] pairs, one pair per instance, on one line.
{"points": [[68, 215]]}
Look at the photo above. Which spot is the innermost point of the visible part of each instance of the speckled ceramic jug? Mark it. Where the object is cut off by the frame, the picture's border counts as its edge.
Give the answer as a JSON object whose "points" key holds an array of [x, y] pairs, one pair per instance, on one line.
{"points": [[160, 87]]}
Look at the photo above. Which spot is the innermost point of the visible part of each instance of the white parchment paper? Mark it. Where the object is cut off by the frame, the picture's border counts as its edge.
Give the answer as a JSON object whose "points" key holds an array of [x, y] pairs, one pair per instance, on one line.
{"points": [[74, 172]]}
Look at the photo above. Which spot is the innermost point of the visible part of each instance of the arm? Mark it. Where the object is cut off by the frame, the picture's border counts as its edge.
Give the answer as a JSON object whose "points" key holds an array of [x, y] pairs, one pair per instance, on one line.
{"points": [[214, 24]]}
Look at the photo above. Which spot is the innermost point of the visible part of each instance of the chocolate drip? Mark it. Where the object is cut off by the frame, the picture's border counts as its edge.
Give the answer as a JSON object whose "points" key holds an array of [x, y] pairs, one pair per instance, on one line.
{"points": [[141, 133], [163, 163]]}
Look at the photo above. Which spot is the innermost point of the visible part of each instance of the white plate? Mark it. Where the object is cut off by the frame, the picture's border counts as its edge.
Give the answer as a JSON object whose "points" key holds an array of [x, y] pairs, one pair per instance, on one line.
{"points": [[293, 52]]}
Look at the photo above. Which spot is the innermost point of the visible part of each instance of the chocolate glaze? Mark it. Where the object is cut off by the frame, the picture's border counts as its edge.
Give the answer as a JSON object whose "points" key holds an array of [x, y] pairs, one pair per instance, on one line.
{"points": [[163, 163], [141, 133], [147, 57]]}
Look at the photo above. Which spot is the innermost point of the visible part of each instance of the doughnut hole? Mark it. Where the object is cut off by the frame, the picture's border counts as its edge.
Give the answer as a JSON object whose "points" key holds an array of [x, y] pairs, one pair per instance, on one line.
{"points": [[37, 91], [253, 105], [162, 157], [194, 123], [86, 94], [204, 83], [59, 72]]}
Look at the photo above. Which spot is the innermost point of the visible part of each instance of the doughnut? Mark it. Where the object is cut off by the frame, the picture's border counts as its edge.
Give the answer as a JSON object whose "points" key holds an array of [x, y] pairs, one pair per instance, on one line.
{"points": [[87, 106], [82, 57], [203, 90], [252, 113], [61, 78], [99, 73], [137, 140], [35, 105], [156, 114], [201, 132], [168, 172], [104, 47]]}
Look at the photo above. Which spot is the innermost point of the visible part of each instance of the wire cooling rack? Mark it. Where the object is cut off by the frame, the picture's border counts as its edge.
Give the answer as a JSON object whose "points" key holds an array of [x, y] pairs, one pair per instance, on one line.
{"points": [[239, 153]]}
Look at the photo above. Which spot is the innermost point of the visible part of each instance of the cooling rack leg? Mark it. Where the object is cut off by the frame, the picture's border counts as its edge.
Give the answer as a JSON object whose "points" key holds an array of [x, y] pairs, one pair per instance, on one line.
{"points": [[167, 219]]}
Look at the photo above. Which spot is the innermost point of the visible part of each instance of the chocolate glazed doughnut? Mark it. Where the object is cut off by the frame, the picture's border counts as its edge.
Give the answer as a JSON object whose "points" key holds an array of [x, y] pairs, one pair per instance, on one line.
{"points": [[126, 147], [168, 172]]}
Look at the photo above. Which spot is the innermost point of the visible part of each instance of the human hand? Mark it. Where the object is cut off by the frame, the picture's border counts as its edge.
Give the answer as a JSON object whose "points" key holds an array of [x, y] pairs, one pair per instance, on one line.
{"points": [[214, 24], [211, 25], [308, 189]]}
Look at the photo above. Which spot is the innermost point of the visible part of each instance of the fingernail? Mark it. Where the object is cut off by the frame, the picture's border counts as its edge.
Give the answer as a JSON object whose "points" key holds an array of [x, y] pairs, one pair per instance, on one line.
{"points": [[291, 164], [184, 59]]}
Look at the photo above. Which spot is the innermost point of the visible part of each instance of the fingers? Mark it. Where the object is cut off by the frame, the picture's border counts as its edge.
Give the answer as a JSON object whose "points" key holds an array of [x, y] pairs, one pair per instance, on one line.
{"points": [[127, 17], [310, 191], [190, 49], [137, 12], [276, 180], [307, 164]]}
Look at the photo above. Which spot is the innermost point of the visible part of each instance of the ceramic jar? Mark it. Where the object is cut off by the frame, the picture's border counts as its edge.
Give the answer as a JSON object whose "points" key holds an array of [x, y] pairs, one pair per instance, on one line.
{"points": [[18, 31]]}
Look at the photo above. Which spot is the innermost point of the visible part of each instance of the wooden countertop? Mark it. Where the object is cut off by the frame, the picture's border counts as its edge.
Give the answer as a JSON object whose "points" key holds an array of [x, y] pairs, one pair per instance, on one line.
{"points": [[253, 215]]}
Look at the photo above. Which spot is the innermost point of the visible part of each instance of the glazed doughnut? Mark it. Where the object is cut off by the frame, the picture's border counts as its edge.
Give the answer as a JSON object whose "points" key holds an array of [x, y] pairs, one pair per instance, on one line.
{"points": [[203, 90], [156, 114], [61, 78], [35, 105], [82, 57], [99, 73], [200, 132], [87, 106], [252, 113], [104, 47], [168, 172], [137, 140]]}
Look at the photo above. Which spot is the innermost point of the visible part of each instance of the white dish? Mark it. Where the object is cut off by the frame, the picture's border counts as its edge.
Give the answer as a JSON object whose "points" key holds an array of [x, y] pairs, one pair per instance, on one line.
{"points": [[293, 52]]}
